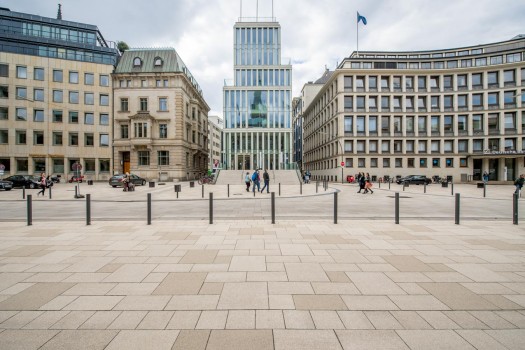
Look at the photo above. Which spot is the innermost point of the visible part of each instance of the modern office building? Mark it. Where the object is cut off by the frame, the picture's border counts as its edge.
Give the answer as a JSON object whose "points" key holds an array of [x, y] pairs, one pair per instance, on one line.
{"points": [[215, 127], [55, 96], [257, 106], [453, 112], [161, 117]]}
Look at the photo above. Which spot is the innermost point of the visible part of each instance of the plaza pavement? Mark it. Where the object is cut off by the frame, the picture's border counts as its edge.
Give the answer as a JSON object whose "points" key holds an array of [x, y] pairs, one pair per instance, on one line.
{"points": [[243, 283]]}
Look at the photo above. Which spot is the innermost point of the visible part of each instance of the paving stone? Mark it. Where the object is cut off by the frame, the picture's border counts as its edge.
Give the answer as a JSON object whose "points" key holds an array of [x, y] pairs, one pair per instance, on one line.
{"points": [[248, 263], [269, 319], [192, 339], [199, 256], [80, 339], [383, 320], [35, 296], [492, 320], [305, 272], [457, 297], [410, 320], [183, 283], [73, 320], [248, 295], [370, 339], [465, 320], [100, 320], [241, 319], [319, 302], [184, 320], [240, 340], [435, 339], [302, 339], [374, 283], [156, 320], [94, 303], [418, 302], [25, 339], [512, 339], [355, 320], [326, 320], [212, 320], [143, 302], [368, 302], [480, 340], [295, 319], [438, 320], [281, 302], [193, 302], [127, 320], [143, 340], [46, 320], [20, 319]]}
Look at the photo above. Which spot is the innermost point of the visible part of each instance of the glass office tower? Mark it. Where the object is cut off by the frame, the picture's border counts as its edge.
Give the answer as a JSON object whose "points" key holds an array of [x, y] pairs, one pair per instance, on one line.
{"points": [[257, 106]]}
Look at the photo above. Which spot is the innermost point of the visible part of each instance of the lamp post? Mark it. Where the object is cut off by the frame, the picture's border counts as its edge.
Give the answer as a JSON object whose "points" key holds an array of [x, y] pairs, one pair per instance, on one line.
{"points": [[342, 155]]}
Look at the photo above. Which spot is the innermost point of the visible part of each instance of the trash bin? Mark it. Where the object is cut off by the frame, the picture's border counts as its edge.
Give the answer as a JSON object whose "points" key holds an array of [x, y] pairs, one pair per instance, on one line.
{"points": [[90, 182], [192, 183], [177, 188], [480, 184], [444, 184], [152, 184]]}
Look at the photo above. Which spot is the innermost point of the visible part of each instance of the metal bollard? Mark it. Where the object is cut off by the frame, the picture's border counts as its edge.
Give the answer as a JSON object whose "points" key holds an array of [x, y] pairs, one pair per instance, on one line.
{"points": [[202, 191], [50, 196], [335, 207], [397, 208], [279, 189], [228, 190], [24, 192], [379, 184], [301, 188], [484, 190], [404, 185], [211, 207], [88, 209], [149, 208], [457, 209], [425, 187], [452, 188], [389, 184], [273, 207], [29, 210], [515, 208], [76, 191]]}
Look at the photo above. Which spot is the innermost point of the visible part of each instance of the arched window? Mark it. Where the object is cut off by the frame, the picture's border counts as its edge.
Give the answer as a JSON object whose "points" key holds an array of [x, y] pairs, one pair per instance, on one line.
{"points": [[157, 62], [137, 62]]}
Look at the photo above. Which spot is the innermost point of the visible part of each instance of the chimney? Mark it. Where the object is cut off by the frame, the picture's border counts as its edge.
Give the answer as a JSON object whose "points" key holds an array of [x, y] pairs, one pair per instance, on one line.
{"points": [[59, 14]]}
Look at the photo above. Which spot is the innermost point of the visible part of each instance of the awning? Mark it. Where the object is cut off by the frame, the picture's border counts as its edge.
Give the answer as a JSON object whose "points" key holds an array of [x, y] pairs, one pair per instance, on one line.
{"points": [[503, 154]]}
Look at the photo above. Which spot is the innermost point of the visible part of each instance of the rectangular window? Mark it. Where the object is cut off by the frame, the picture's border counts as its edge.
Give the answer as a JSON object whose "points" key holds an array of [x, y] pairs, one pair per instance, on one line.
{"points": [[163, 157], [510, 121], [89, 98], [385, 125], [493, 98], [422, 162], [448, 124], [348, 80], [38, 94], [385, 84], [4, 136], [434, 124], [58, 96], [360, 102], [124, 131], [509, 76], [385, 103], [143, 158], [73, 139], [104, 165], [4, 70], [104, 80], [409, 83], [104, 100], [422, 83], [477, 100], [462, 123], [477, 145], [448, 146], [462, 81], [493, 121], [348, 146], [361, 162], [448, 101], [124, 105], [373, 162], [163, 104], [509, 97], [385, 146], [89, 78], [435, 163], [104, 119], [477, 79], [21, 137], [58, 75], [73, 97], [38, 74], [21, 92], [57, 138], [462, 101], [38, 138], [73, 77], [73, 117], [348, 103], [372, 146], [89, 165], [104, 140], [422, 146], [57, 116], [398, 124], [386, 162], [163, 131], [89, 139], [4, 91], [372, 82], [410, 162], [21, 114], [4, 113], [349, 124], [141, 130], [372, 124], [463, 146], [143, 104], [38, 115], [89, 118], [21, 72], [360, 124], [422, 125], [349, 162], [360, 82]]}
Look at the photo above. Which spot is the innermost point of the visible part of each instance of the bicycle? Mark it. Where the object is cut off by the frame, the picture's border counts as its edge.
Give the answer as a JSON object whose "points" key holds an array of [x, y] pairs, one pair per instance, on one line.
{"points": [[206, 180]]}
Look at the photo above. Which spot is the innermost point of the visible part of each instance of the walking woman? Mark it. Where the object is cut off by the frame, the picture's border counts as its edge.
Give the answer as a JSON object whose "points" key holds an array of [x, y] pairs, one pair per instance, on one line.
{"points": [[43, 185]]}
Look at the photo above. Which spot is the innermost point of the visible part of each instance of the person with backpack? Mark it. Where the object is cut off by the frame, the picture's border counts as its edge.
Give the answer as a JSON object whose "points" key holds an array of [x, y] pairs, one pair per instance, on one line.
{"points": [[256, 181], [266, 179], [519, 183], [362, 182], [247, 181]]}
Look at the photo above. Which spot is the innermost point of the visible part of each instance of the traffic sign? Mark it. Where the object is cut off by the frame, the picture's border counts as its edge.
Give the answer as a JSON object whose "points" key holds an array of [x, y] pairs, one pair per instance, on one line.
{"points": [[342, 163], [76, 166]]}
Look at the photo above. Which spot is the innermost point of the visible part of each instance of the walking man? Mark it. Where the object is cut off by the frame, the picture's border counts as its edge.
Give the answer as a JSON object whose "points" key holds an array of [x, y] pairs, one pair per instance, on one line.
{"points": [[266, 179], [256, 181]]}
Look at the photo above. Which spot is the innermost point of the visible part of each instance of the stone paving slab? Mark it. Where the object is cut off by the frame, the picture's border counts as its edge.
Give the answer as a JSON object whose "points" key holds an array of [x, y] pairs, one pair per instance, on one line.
{"points": [[238, 284]]}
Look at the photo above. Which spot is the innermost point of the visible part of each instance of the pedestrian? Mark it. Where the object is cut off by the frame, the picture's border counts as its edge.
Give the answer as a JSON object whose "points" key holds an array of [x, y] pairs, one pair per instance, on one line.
{"points": [[368, 187], [307, 176], [125, 182], [266, 179], [362, 182], [256, 181], [247, 181], [42, 185], [519, 184], [485, 177]]}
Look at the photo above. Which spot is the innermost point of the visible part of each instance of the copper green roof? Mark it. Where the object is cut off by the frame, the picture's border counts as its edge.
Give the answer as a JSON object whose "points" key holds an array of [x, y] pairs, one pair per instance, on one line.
{"points": [[169, 58]]}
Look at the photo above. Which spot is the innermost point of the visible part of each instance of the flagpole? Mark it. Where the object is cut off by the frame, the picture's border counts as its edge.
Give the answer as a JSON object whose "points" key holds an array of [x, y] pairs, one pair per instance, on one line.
{"points": [[357, 27]]}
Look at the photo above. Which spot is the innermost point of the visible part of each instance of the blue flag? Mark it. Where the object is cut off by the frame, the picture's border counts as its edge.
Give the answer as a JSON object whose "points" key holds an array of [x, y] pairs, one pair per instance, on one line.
{"points": [[361, 18]]}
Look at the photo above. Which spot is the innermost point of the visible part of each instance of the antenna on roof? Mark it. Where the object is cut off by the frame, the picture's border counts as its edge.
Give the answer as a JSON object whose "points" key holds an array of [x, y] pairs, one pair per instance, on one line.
{"points": [[59, 13]]}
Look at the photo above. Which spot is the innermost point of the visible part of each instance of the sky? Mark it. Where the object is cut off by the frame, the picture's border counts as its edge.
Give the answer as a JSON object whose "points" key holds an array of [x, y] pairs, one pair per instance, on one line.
{"points": [[315, 34]]}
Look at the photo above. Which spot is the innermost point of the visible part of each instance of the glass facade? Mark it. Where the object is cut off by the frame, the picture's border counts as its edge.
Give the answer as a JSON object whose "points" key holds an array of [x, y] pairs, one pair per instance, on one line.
{"points": [[258, 106]]}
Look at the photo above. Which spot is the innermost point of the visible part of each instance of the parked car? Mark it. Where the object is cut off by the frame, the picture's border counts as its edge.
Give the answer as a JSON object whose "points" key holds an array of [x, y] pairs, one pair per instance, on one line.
{"points": [[20, 181], [116, 180], [414, 179], [6, 185]]}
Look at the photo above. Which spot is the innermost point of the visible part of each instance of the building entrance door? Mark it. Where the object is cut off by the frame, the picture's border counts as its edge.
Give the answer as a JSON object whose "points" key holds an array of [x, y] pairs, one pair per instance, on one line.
{"points": [[126, 162], [493, 169], [243, 162], [476, 173]]}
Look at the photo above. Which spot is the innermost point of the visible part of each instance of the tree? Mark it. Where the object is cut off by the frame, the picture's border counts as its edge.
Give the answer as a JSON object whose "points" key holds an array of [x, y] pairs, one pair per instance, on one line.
{"points": [[122, 46]]}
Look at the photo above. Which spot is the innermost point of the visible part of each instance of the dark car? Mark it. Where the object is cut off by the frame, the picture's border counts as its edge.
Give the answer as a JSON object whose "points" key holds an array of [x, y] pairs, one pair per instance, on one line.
{"points": [[6, 185], [116, 180], [20, 181], [414, 179]]}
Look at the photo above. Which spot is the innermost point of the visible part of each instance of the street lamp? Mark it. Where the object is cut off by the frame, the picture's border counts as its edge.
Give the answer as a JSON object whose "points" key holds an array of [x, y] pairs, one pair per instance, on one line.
{"points": [[342, 155]]}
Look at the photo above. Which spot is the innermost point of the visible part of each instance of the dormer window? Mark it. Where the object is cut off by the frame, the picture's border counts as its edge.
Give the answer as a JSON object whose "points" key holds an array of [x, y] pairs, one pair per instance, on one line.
{"points": [[157, 62], [137, 62]]}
